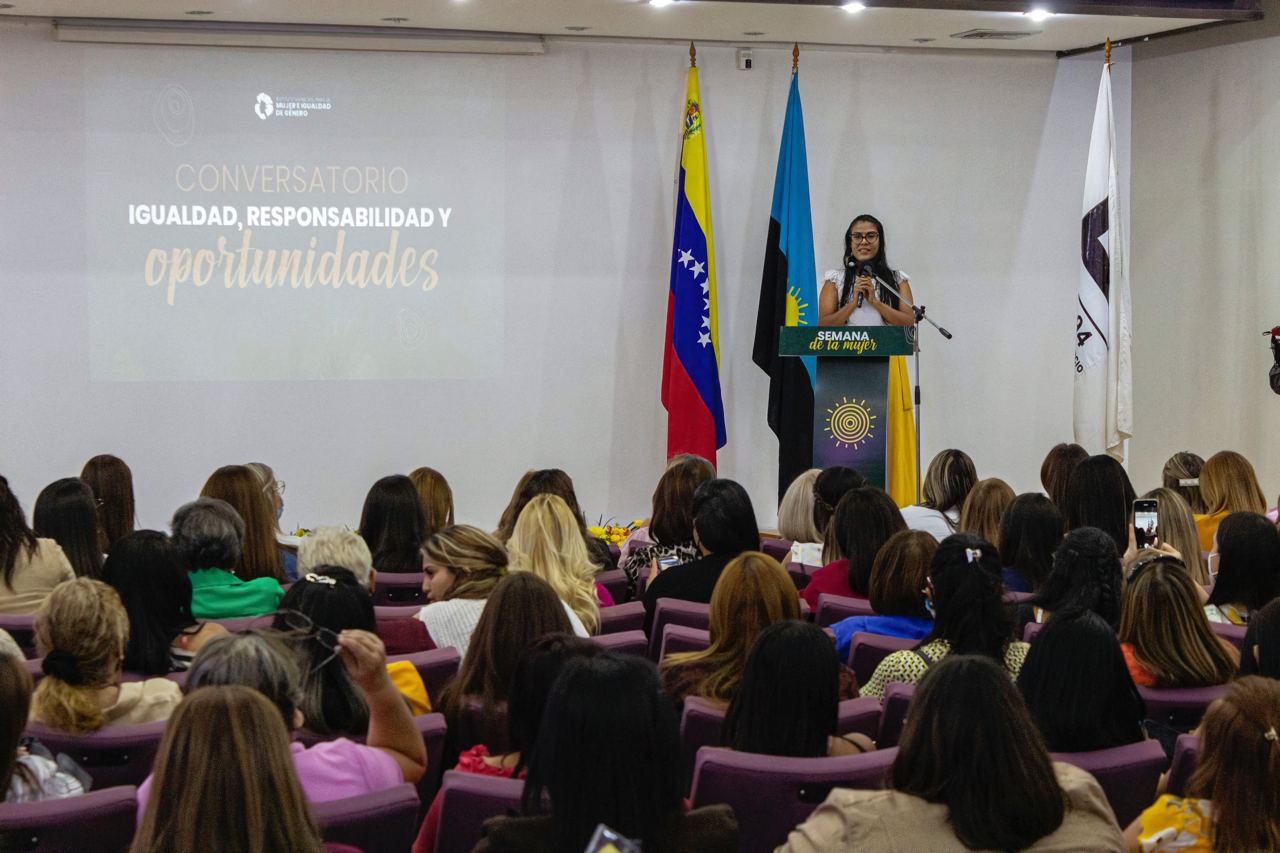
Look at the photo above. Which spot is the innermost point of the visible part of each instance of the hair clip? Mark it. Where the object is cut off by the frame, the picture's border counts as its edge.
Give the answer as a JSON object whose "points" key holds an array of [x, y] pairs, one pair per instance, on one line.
{"points": [[312, 577], [1270, 734], [1190, 481], [972, 555]]}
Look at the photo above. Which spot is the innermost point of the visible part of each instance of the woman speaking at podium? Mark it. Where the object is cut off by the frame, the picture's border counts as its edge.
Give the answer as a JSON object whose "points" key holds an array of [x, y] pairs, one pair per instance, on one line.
{"points": [[852, 296]]}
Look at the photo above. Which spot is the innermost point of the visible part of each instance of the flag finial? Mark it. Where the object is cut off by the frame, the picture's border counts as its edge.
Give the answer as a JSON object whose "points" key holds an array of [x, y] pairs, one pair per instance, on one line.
{"points": [[1106, 51], [795, 58], [693, 56]]}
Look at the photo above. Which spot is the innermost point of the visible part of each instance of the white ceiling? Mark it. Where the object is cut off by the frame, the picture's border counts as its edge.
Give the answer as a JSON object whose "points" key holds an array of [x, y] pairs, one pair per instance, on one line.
{"points": [[687, 19]]}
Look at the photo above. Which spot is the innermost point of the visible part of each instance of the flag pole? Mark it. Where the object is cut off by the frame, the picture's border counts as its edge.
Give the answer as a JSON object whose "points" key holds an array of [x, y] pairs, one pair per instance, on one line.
{"points": [[795, 58], [693, 55], [1106, 53]]}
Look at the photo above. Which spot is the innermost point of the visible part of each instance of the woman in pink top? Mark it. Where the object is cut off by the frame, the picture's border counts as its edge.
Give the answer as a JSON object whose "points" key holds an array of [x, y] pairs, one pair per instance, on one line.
{"points": [[863, 521]]}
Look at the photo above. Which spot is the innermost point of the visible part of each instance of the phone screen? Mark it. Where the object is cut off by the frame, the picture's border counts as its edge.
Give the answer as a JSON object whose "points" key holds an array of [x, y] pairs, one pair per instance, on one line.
{"points": [[1146, 522]]}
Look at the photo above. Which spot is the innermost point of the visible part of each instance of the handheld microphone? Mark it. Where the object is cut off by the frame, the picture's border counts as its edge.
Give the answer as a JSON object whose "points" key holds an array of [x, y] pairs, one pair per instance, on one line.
{"points": [[859, 270]]}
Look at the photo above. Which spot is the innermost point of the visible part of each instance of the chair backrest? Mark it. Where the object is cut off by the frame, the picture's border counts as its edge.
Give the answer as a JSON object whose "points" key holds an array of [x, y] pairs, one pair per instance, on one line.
{"points": [[437, 668], [833, 608], [22, 627], [1186, 753], [772, 795], [676, 611], [867, 650], [859, 715], [99, 820], [383, 820], [779, 549], [622, 617], [396, 611], [243, 623], [467, 800], [1179, 707], [1233, 634], [1030, 632], [614, 580], [893, 713], [679, 638], [113, 755], [1128, 774], [701, 724], [398, 588], [624, 642]]}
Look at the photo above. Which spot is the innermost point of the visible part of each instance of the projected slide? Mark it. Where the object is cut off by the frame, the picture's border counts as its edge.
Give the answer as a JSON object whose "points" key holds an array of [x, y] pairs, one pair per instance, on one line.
{"points": [[299, 221]]}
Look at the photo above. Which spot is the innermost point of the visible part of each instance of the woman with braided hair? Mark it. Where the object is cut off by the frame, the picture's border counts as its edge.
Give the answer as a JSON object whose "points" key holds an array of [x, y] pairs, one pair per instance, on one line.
{"points": [[1085, 576]]}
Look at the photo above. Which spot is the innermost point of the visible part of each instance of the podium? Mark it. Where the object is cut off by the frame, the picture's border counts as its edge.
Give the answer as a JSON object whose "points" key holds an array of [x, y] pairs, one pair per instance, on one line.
{"points": [[850, 368]]}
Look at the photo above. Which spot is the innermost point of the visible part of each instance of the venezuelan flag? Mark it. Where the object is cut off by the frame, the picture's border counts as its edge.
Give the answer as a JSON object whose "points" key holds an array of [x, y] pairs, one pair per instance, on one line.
{"points": [[691, 362]]}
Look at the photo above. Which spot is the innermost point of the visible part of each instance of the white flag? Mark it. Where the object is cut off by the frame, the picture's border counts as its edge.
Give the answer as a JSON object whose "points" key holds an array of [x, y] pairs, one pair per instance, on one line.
{"points": [[1104, 378]]}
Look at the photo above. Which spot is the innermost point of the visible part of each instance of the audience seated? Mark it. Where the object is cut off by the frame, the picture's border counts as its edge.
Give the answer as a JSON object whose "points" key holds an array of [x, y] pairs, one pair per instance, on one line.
{"points": [[1261, 652], [112, 484], [863, 521], [547, 542], [1233, 801], [1056, 470], [724, 525], [223, 778], [1178, 530], [81, 633], [898, 578], [29, 566], [551, 481], [984, 507], [1181, 474], [208, 533], [608, 751], [24, 777], [950, 478], [753, 592], [972, 772], [274, 490], [1165, 636], [259, 550], [461, 565], [1245, 567], [1100, 495], [146, 571], [436, 499], [1030, 531], [1228, 484], [393, 525], [1077, 686], [788, 701], [66, 512], [970, 618], [795, 521], [669, 533], [1085, 576]]}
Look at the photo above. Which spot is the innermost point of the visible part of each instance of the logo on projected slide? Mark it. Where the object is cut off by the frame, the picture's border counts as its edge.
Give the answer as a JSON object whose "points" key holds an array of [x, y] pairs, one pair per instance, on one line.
{"points": [[850, 423], [289, 106], [264, 106], [692, 119], [173, 115]]}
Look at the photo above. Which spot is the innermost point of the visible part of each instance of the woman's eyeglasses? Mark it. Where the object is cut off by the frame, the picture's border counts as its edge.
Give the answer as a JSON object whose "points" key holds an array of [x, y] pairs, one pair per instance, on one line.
{"points": [[306, 629], [869, 237]]}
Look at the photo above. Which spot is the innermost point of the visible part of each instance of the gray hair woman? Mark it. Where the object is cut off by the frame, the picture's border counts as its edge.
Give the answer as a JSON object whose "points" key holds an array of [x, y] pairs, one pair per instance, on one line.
{"points": [[208, 533]]}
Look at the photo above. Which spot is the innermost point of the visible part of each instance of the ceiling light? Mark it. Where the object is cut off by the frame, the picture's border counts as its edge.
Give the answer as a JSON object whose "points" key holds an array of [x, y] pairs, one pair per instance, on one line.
{"points": [[855, 6], [1039, 15], [198, 12], [754, 33], [923, 40], [396, 20], [661, 3], [577, 29], [6, 5]]}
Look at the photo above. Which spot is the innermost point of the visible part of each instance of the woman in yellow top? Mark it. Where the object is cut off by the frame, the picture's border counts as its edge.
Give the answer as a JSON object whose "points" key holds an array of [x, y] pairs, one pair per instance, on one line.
{"points": [[1228, 484]]}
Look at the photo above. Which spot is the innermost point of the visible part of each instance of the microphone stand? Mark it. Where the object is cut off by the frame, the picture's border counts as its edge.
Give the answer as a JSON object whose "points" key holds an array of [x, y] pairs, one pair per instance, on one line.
{"points": [[919, 312]]}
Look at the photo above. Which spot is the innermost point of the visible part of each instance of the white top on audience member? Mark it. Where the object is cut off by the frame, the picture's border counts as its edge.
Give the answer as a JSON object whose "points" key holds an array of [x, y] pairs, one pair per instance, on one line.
{"points": [[931, 521]]}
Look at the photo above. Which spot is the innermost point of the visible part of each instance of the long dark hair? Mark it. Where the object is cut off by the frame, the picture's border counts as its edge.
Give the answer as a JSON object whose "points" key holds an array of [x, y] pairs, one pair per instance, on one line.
{"points": [[146, 569], [1100, 495], [879, 263], [112, 484], [1085, 574], [724, 519], [1248, 561], [1261, 652], [331, 702], [970, 745], [1055, 471], [967, 598], [864, 520], [832, 484], [672, 519], [590, 774], [393, 525], [787, 703], [15, 537], [1078, 687], [536, 671], [66, 512], [1029, 532]]}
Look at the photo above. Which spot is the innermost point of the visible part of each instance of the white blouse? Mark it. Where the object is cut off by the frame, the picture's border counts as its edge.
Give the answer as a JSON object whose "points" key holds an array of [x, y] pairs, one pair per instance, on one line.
{"points": [[867, 315]]}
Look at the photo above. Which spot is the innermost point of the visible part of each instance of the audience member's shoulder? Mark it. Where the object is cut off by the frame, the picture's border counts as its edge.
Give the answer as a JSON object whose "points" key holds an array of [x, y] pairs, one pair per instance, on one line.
{"points": [[1089, 822]]}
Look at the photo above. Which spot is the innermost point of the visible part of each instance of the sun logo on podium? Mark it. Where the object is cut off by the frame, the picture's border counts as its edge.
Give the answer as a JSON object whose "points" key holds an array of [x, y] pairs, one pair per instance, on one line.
{"points": [[850, 423], [797, 311]]}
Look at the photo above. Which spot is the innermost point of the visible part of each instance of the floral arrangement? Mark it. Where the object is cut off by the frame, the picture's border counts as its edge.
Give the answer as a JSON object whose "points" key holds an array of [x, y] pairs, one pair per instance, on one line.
{"points": [[614, 533]]}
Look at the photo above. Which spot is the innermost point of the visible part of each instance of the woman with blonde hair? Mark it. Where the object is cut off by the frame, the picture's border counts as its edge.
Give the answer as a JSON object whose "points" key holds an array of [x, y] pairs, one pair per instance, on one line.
{"points": [[81, 631], [753, 592], [1229, 485], [1181, 474], [551, 481], [461, 565], [984, 509], [795, 520], [436, 498], [1178, 530], [259, 551], [950, 478], [547, 542], [1164, 633], [224, 772]]}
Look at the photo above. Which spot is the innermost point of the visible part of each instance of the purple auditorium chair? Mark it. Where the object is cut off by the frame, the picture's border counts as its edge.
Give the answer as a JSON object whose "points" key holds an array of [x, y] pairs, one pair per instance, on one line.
{"points": [[1128, 774], [384, 820], [772, 795], [779, 549], [1032, 630], [624, 642], [614, 580], [437, 668], [23, 630], [701, 724], [679, 638], [113, 755], [622, 617], [860, 715], [396, 611], [1186, 752], [101, 821], [867, 650], [676, 611], [833, 608], [467, 800], [398, 588], [1179, 707], [243, 623], [615, 552], [1233, 634], [893, 713]]}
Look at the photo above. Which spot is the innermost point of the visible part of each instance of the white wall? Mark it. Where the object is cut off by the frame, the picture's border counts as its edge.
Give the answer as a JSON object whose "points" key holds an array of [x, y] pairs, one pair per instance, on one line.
{"points": [[1206, 264], [974, 161]]}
